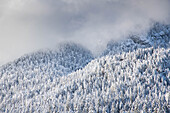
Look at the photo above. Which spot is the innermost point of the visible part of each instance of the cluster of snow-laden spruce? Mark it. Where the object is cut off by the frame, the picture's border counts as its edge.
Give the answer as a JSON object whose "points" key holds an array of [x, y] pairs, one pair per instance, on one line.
{"points": [[135, 81]]}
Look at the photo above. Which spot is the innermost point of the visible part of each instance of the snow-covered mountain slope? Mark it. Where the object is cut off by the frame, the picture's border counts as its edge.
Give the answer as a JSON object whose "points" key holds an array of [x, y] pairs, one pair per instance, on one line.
{"points": [[157, 36], [133, 81], [132, 75], [67, 59]]}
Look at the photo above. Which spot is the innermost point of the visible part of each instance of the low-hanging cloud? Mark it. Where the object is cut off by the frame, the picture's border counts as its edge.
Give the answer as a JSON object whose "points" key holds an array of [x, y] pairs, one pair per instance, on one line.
{"points": [[30, 25]]}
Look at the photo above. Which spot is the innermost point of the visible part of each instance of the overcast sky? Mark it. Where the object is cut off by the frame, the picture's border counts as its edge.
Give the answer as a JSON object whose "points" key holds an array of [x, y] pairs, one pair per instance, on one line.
{"points": [[30, 25]]}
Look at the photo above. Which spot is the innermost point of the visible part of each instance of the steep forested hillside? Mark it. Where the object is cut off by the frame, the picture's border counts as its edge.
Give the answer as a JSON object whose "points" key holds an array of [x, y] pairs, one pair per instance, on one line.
{"points": [[132, 75], [133, 81]]}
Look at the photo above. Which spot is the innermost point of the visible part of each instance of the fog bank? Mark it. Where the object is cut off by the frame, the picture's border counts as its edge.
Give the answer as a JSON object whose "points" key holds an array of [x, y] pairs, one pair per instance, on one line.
{"points": [[30, 25]]}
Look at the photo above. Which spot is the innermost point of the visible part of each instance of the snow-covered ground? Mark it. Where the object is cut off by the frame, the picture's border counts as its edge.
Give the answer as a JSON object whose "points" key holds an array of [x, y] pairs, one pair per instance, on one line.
{"points": [[130, 76]]}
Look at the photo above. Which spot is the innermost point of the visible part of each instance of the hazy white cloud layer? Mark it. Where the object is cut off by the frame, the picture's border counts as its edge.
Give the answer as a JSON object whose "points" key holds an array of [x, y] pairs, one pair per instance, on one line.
{"points": [[30, 25]]}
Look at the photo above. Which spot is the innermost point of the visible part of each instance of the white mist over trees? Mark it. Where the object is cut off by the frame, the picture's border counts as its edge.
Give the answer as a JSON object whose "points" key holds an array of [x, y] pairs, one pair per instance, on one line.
{"points": [[30, 25]]}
